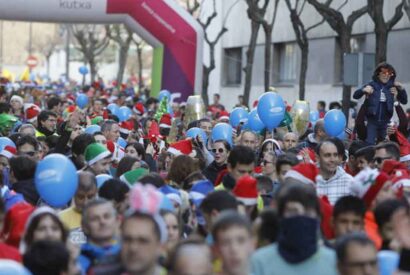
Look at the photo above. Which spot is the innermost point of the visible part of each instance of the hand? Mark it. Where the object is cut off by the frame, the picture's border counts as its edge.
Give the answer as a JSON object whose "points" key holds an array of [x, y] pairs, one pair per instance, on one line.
{"points": [[305, 155], [401, 226], [368, 89], [394, 91], [398, 85], [391, 130], [150, 149]]}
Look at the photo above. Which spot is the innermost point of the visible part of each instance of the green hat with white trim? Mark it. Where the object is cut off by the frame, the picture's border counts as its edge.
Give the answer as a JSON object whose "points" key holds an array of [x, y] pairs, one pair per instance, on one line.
{"points": [[95, 152], [131, 177]]}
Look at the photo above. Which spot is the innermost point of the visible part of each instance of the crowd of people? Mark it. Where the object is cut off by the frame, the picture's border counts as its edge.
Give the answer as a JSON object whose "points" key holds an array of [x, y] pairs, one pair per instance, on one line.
{"points": [[152, 199]]}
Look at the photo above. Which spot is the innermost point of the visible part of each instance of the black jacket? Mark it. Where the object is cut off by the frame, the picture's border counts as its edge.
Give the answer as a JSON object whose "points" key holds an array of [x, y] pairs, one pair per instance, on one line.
{"points": [[28, 190], [212, 170]]}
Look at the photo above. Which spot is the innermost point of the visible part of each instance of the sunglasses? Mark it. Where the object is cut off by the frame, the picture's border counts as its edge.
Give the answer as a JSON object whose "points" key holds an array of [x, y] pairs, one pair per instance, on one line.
{"points": [[386, 72], [220, 150], [380, 160]]}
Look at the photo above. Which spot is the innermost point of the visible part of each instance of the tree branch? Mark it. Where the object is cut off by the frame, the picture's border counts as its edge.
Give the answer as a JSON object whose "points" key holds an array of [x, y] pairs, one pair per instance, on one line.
{"points": [[398, 14]]}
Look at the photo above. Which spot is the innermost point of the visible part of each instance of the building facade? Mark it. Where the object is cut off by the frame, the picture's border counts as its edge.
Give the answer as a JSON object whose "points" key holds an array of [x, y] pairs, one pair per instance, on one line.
{"points": [[324, 76]]}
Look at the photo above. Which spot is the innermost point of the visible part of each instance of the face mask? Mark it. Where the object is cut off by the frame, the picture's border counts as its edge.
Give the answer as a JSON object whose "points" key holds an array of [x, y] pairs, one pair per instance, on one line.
{"points": [[298, 238]]}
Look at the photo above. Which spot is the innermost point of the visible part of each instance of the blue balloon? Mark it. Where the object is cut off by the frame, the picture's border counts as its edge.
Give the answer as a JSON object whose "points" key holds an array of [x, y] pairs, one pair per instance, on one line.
{"points": [[82, 101], [5, 141], [113, 108], [195, 131], [83, 70], [313, 116], [101, 179], [271, 109], [122, 142], [164, 93], [56, 180], [222, 131], [92, 129], [388, 262], [166, 204], [342, 135], [237, 116], [335, 122], [9, 267], [254, 122], [124, 113]]}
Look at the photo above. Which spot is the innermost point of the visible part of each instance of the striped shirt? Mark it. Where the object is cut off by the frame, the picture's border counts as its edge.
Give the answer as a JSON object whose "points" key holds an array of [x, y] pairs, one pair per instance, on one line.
{"points": [[336, 187]]}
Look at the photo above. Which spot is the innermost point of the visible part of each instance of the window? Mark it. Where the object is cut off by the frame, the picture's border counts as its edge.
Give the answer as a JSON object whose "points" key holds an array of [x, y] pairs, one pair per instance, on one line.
{"points": [[287, 62], [232, 66], [357, 44]]}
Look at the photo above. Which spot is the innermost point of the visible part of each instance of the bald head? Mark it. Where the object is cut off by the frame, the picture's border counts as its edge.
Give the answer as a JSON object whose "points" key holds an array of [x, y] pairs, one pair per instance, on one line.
{"points": [[290, 140], [86, 191], [86, 181]]}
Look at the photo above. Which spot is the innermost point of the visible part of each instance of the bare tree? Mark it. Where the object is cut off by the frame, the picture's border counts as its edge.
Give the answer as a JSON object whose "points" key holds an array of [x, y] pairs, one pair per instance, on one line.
{"points": [[383, 27], [123, 37], [257, 15], [47, 46], [343, 28], [301, 33], [91, 43], [193, 7], [407, 7]]}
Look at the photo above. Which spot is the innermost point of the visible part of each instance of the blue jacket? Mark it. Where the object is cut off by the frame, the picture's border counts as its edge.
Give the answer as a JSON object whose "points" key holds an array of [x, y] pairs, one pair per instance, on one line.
{"points": [[372, 102], [100, 260]]}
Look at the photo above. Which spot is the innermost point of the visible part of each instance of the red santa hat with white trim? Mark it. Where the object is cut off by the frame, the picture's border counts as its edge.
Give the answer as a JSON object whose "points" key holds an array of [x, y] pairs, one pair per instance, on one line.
{"points": [[367, 184], [246, 190], [117, 151], [126, 126], [304, 172], [182, 147], [404, 146], [8, 152], [138, 108], [31, 111], [223, 116], [165, 121]]}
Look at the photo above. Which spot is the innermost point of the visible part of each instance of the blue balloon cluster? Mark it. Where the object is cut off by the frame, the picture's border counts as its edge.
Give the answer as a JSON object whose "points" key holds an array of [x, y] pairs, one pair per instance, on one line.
{"points": [[113, 108], [82, 101], [271, 109], [237, 116], [335, 122], [83, 70], [195, 131], [222, 131], [123, 113], [254, 122], [51, 180]]}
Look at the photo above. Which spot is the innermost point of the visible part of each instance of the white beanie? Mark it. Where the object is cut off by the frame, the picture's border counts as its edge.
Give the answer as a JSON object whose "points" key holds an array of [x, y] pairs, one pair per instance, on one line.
{"points": [[18, 98]]}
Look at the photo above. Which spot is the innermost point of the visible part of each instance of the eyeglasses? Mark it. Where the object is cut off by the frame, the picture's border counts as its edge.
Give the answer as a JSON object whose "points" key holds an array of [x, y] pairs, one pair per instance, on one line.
{"points": [[29, 153], [219, 150], [386, 72], [380, 160]]}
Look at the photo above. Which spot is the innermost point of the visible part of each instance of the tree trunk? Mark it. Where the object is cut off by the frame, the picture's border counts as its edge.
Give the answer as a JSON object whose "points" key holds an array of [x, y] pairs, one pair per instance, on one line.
{"points": [[268, 56], [250, 55], [122, 62], [346, 94], [93, 69], [303, 70], [140, 67], [48, 65], [381, 44], [205, 85]]}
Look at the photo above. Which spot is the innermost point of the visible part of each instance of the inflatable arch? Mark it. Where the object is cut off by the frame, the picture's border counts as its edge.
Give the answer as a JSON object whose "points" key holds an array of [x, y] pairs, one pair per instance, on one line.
{"points": [[164, 24]]}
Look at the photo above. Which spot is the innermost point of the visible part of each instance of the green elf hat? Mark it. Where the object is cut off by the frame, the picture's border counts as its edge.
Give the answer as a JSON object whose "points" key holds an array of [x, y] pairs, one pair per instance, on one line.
{"points": [[131, 177], [97, 120], [95, 152]]}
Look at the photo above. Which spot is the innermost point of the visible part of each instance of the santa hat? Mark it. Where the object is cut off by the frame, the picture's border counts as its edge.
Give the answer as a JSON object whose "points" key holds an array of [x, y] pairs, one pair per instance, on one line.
{"points": [[367, 184], [304, 172], [116, 151], [172, 193], [153, 131], [70, 99], [126, 126], [131, 177], [310, 152], [95, 152], [400, 179], [404, 147], [223, 115], [246, 190], [138, 108], [391, 165], [17, 98], [15, 222], [165, 121], [182, 147], [31, 112], [8, 152]]}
